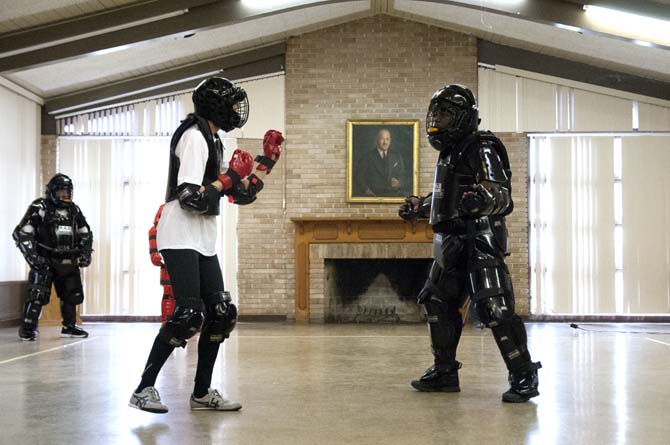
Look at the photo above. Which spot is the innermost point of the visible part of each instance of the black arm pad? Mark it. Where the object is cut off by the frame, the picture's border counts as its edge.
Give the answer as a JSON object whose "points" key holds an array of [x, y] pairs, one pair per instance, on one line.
{"points": [[25, 243], [86, 242], [493, 199], [192, 199], [425, 205]]}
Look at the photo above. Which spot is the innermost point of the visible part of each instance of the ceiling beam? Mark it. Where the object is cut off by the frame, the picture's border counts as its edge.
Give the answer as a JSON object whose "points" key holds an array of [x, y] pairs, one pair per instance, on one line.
{"points": [[51, 34], [256, 62], [199, 18], [563, 12]]}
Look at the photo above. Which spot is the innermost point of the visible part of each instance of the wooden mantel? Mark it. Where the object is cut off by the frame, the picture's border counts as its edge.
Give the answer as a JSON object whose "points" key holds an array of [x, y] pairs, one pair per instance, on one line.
{"points": [[346, 229]]}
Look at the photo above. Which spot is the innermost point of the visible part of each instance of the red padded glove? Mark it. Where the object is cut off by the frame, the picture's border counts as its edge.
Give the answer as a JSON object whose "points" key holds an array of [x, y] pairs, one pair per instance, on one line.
{"points": [[271, 150], [240, 166]]}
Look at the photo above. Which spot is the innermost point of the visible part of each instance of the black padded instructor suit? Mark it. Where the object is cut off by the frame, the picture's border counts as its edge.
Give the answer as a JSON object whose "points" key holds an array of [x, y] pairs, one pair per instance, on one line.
{"points": [[471, 196]]}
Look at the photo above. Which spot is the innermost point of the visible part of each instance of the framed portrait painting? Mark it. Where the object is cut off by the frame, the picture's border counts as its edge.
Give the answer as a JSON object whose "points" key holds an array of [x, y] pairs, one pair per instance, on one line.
{"points": [[382, 160]]}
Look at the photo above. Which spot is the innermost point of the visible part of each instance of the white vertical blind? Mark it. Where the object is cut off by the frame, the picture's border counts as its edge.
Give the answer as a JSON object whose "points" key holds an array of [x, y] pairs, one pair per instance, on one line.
{"points": [[653, 117], [599, 211], [537, 105], [497, 100], [514, 101], [151, 118], [593, 225], [572, 221], [19, 177], [594, 111], [646, 218]]}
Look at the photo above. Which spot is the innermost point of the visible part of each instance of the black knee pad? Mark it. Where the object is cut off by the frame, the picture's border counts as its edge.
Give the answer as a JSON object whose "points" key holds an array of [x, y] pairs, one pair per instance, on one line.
{"points": [[182, 325], [495, 310], [74, 297], [220, 320], [488, 278], [442, 286], [39, 286], [72, 290]]}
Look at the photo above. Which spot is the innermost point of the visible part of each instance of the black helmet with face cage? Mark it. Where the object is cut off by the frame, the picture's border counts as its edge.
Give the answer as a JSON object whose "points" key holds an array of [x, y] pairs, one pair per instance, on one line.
{"points": [[452, 115], [222, 102], [58, 183]]}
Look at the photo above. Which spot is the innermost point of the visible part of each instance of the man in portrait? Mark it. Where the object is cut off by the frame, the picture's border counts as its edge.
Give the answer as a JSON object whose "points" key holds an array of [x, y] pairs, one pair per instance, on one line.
{"points": [[381, 170]]}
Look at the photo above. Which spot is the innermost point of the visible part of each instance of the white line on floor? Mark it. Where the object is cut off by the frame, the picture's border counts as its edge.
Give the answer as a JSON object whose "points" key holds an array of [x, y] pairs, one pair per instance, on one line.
{"points": [[657, 341], [45, 351], [331, 336], [342, 336]]}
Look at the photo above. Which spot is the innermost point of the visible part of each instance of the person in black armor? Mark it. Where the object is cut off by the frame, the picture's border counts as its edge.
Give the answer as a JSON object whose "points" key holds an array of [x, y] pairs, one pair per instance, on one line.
{"points": [[56, 241], [467, 208], [186, 236]]}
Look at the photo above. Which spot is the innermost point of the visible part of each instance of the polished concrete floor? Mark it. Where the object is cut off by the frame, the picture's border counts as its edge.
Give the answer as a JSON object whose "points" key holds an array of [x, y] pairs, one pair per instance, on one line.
{"points": [[337, 384]]}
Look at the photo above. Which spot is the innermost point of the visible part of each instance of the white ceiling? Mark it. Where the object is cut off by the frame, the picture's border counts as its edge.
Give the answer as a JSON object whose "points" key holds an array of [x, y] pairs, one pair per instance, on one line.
{"points": [[68, 76], [21, 14], [154, 56], [599, 50]]}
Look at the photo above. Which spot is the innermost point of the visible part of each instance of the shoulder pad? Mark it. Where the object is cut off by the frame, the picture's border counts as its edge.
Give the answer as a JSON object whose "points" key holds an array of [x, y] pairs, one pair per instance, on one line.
{"points": [[39, 202], [491, 165]]}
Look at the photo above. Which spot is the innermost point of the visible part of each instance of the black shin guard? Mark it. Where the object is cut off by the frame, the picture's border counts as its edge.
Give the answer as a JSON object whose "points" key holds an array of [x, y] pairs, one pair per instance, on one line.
{"points": [[32, 311], [445, 325], [69, 313], [510, 335]]}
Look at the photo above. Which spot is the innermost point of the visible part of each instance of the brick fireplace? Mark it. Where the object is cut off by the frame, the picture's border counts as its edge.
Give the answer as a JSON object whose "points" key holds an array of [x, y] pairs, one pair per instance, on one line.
{"points": [[318, 239]]}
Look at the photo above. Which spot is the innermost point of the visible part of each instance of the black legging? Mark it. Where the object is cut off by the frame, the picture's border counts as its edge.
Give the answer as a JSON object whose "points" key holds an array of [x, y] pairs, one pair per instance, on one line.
{"points": [[197, 282]]}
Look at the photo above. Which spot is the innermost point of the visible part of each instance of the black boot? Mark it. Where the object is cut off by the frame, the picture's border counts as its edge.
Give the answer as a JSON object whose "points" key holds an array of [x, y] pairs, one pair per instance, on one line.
{"points": [[523, 385], [27, 332], [439, 380]]}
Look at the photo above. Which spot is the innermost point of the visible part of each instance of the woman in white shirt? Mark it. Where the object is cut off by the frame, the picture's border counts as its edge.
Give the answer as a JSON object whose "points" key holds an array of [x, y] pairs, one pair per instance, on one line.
{"points": [[186, 237]]}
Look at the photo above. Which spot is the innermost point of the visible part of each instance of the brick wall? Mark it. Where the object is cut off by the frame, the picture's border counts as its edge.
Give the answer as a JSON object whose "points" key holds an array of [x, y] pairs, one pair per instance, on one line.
{"points": [[517, 222], [48, 156], [374, 68], [263, 245]]}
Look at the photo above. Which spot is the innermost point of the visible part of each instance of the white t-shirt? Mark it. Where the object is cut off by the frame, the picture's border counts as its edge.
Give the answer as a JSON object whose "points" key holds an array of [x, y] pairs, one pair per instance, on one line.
{"points": [[179, 228]]}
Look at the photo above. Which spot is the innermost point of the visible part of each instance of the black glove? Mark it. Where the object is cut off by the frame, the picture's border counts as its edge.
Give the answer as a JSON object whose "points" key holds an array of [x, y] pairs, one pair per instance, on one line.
{"points": [[84, 260], [37, 261], [242, 196], [477, 201], [408, 211]]}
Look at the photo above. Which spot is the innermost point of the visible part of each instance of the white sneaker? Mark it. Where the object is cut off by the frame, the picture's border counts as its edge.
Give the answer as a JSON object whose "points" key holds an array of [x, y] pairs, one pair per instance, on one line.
{"points": [[213, 401], [148, 400]]}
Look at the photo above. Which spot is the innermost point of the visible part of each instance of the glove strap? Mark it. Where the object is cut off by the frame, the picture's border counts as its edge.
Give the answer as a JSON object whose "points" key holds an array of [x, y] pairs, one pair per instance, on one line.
{"points": [[229, 179], [265, 161]]}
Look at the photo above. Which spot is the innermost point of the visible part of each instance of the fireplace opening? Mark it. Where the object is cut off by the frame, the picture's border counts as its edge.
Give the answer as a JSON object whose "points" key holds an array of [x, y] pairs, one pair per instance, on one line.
{"points": [[374, 290]]}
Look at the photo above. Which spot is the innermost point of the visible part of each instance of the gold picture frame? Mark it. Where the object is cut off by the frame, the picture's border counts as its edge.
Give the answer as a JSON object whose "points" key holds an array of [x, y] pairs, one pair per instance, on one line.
{"points": [[382, 160]]}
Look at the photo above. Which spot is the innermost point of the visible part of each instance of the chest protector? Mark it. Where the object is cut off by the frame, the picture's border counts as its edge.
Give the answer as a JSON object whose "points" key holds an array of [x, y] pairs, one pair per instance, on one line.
{"points": [[457, 172], [58, 232], [214, 158]]}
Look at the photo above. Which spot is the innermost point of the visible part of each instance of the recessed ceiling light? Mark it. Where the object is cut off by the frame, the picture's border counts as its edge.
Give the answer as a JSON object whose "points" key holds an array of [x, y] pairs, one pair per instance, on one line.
{"points": [[635, 26]]}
